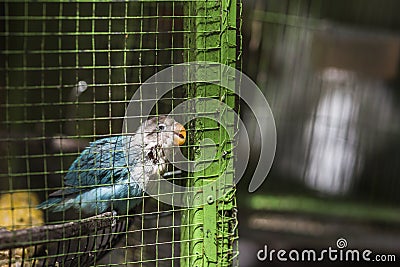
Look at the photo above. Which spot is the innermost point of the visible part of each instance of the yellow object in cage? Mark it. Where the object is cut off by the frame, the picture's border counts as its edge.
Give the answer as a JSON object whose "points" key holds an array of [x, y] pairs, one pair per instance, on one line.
{"points": [[17, 211]]}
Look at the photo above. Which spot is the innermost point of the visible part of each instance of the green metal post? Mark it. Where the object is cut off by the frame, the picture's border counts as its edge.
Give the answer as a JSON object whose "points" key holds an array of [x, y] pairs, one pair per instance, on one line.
{"points": [[209, 231]]}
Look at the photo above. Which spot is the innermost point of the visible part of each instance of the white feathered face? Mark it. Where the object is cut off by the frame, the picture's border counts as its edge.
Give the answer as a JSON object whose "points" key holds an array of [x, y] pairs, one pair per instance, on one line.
{"points": [[156, 139], [160, 135], [164, 131]]}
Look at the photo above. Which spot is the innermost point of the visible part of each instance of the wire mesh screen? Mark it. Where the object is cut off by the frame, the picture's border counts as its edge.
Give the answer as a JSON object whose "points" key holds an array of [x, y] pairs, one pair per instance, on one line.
{"points": [[69, 70]]}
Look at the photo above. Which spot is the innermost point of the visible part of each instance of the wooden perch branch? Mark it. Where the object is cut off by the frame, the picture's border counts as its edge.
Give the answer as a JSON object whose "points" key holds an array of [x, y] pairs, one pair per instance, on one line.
{"points": [[50, 233]]}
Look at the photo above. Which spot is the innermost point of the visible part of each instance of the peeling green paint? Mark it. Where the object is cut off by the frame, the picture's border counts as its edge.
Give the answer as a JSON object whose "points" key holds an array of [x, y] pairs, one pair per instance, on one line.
{"points": [[209, 232]]}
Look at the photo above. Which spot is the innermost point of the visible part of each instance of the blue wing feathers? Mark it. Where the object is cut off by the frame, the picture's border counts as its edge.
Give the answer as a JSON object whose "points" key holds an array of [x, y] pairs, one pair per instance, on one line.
{"points": [[99, 163], [97, 179], [49, 203]]}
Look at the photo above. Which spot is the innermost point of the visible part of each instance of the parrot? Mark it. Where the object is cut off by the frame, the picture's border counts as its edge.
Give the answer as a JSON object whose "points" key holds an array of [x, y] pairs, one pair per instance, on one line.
{"points": [[112, 173]]}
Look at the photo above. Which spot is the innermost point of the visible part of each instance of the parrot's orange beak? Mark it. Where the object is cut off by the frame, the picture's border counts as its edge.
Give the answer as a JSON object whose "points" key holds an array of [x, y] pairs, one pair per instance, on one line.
{"points": [[179, 134]]}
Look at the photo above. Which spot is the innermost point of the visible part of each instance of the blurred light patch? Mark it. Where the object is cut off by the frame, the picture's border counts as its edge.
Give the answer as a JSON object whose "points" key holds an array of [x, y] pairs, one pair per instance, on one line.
{"points": [[332, 134]]}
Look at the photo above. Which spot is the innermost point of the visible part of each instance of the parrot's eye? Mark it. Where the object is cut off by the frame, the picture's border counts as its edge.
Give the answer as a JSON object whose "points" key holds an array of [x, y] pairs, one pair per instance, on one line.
{"points": [[161, 127]]}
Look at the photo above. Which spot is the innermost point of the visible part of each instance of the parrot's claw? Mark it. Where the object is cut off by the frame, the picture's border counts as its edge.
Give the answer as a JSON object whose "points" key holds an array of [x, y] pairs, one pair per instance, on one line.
{"points": [[172, 174], [114, 218]]}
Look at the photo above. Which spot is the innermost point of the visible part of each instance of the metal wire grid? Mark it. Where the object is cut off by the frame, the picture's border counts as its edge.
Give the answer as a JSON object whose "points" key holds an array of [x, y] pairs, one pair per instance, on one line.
{"points": [[69, 71]]}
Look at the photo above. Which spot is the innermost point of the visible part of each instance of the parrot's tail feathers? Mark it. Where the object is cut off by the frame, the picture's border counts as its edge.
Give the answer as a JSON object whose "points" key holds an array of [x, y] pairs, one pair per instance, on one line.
{"points": [[55, 205], [49, 203]]}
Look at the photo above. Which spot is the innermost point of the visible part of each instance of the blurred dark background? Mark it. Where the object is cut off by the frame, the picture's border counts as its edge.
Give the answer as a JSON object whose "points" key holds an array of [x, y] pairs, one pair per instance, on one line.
{"points": [[329, 70]]}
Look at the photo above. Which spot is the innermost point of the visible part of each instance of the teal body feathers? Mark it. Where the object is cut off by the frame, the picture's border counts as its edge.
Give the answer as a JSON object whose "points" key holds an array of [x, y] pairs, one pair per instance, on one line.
{"points": [[111, 174]]}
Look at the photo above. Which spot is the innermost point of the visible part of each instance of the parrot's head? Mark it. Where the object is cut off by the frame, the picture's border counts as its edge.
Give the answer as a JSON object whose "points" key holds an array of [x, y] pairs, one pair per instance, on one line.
{"points": [[158, 136], [164, 132], [154, 145]]}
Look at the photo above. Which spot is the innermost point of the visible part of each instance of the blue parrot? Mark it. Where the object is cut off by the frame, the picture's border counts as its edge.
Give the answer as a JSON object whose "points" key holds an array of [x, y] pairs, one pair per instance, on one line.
{"points": [[111, 173]]}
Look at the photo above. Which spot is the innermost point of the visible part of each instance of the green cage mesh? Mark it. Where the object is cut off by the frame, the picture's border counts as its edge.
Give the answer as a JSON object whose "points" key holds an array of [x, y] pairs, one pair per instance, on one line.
{"points": [[68, 72]]}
